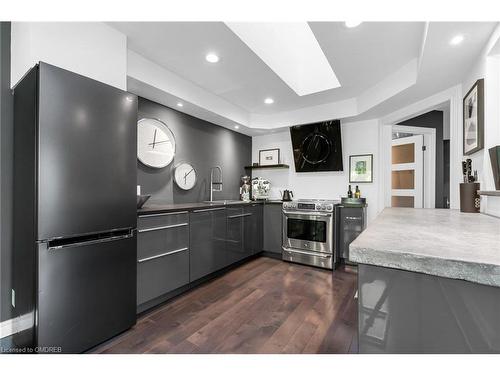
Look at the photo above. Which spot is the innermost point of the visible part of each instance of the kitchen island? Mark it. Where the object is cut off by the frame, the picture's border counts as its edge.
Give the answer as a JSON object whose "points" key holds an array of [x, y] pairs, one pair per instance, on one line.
{"points": [[429, 282]]}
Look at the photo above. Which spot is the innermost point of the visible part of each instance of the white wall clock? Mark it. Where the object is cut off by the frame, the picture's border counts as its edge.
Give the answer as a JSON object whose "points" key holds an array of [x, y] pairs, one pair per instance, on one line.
{"points": [[155, 143], [185, 176]]}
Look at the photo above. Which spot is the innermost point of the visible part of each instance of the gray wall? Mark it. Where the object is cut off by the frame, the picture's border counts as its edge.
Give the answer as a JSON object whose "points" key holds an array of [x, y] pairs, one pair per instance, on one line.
{"points": [[434, 120], [6, 175], [203, 145]]}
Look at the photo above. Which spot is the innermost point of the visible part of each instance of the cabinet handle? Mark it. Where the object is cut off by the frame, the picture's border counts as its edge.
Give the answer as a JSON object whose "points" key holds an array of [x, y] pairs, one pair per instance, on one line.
{"points": [[165, 214], [162, 255], [164, 227], [306, 213], [239, 215], [307, 253], [352, 218], [210, 209]]}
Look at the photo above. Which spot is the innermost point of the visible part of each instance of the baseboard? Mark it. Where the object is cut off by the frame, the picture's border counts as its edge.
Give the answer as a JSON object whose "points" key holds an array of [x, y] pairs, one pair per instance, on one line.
{"points": [[270, 254], [15, 325]]}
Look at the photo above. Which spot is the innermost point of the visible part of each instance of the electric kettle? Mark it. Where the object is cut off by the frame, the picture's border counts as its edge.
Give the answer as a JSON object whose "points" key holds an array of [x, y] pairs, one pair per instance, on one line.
{"points": [[287, 196]]}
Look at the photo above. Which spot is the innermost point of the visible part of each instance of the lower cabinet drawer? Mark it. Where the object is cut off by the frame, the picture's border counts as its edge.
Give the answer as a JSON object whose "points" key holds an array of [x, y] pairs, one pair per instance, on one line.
{"points": [[156, 242], [162, 274]]}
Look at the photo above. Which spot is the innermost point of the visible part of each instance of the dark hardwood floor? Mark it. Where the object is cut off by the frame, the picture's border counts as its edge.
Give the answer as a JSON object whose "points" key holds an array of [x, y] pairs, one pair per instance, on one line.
{"points": [[263, 306]]}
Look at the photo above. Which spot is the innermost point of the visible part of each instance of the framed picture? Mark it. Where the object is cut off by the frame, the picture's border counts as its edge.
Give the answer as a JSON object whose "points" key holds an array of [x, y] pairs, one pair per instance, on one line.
{"points": [[474, 118], [269, 157], [361, 168]]}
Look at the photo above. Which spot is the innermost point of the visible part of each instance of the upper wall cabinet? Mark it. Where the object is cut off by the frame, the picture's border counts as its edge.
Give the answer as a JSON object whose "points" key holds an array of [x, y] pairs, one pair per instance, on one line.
{"points": [[155, 143]]}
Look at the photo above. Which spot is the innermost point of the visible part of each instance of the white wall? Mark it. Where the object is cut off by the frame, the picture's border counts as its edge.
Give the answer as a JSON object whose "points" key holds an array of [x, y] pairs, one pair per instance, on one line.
{"points": [[357, 138], [92, 49], [487, 66]]}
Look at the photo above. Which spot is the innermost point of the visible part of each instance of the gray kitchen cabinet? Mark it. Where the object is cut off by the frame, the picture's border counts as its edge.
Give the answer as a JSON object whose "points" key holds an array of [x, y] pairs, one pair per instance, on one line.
{"points": [[158, 276], [207, 242], [244, 232], [252, 229], [235, 241], [272, 228], [162, 254]]}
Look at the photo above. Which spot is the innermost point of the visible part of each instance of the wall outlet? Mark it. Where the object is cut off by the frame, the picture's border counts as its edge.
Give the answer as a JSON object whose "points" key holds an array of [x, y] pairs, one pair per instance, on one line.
{"points": [[13, 298]]}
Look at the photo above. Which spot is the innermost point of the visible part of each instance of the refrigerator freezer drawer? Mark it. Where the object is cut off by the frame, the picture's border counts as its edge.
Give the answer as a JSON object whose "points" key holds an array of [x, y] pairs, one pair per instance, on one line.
{"points": [[86, 293]]}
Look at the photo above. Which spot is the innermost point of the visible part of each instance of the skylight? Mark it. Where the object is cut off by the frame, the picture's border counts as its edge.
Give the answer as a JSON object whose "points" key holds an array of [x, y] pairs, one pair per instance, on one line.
{"points": [[291, 51]]}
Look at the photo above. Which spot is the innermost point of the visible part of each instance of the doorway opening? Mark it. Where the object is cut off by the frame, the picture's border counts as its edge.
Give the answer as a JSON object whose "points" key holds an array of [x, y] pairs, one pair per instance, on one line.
{"points": [[419, 161]]}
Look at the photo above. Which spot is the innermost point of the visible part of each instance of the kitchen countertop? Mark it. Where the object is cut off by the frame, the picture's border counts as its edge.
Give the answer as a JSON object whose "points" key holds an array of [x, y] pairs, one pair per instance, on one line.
{"points": [[154, 208], [440, 242]]}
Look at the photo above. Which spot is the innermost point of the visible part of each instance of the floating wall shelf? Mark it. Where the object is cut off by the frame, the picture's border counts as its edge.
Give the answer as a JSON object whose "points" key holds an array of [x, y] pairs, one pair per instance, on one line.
{"points": [[493, 193], [274, 166]]}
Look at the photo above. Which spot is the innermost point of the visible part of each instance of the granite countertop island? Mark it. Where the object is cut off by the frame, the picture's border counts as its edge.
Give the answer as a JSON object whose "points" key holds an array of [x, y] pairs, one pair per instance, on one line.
{"points": [[439, 242]]}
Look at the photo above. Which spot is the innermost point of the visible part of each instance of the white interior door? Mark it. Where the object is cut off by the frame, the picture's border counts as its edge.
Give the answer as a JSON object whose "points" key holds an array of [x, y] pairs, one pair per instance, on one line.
{"points": [[407, 172]]}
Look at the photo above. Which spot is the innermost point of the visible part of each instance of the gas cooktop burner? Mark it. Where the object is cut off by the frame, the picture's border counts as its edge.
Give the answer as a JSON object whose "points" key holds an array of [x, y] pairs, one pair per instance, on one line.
{"points": [[324, 205]]}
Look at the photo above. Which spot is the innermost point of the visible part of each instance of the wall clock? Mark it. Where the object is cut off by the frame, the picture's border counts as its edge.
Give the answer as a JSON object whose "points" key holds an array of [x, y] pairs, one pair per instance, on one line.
{"points": [[155, 143], [185, 176]]}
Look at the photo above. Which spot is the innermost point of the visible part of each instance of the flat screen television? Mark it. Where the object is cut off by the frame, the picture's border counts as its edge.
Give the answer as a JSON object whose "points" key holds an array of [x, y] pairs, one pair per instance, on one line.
{"points": [[317, 147]]}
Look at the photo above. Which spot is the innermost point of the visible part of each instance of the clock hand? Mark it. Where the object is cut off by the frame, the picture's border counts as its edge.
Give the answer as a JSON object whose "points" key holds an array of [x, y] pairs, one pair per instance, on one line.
{"points": [[157, 143], [192, 169], [154, 139]]}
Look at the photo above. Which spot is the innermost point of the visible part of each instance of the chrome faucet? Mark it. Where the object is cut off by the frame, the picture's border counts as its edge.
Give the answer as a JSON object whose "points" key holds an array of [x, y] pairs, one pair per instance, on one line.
{"points": [[217, 184]]}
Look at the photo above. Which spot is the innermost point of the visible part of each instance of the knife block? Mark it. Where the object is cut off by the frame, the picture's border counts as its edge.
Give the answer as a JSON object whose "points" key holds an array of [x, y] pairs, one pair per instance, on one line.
{"points": [[470, 201]]}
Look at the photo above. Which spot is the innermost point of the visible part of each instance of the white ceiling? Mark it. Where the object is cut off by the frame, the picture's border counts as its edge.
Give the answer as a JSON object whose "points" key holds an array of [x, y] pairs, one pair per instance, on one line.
{"points": [[376, 64], [442, 65]]}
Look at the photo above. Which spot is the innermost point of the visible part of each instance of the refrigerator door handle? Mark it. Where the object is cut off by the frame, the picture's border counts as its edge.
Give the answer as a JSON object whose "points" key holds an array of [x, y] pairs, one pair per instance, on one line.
{"points": [[88, 240]]}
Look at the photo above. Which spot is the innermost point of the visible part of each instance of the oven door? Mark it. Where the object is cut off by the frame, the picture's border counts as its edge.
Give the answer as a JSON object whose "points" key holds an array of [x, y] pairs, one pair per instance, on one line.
{"points": [[308, 231]]}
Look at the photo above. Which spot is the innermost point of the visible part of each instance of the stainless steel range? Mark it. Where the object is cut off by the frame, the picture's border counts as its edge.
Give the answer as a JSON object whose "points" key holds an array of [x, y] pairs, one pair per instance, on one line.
{"points": [[308, 230]]}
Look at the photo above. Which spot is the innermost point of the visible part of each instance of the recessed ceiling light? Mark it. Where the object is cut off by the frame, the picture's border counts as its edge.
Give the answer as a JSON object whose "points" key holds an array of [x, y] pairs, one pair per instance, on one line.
{"points": [[456, 40], [269, 100], [180, 104], [351, 24], [212, 58], [236, 126]]}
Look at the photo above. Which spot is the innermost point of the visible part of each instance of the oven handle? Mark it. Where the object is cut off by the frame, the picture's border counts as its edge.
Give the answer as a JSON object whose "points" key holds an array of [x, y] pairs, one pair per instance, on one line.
{"points": [[307, 253], [306, 213]]}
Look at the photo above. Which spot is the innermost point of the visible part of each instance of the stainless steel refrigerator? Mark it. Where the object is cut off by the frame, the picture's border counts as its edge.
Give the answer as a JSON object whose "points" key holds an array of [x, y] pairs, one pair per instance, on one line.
{"points": [[74, 210]]}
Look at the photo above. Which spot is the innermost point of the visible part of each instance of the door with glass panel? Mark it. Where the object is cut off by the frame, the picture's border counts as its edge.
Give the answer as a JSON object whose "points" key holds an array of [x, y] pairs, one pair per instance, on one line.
{"points": [[407, 173]]}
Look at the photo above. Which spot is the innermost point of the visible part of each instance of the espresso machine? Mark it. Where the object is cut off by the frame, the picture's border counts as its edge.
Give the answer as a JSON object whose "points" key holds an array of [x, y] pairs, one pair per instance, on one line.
{"points": [[261, 188]]}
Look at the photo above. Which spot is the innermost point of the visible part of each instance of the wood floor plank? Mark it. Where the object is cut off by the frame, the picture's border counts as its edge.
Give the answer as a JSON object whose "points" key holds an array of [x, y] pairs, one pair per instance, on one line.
{"points": [[263, 306], [272, 312], [300, 338]]}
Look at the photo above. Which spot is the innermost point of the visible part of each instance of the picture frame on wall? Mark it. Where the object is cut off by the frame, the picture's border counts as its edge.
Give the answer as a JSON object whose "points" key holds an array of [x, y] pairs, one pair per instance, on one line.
{"points": [[269, 157], [473, 119], [361, 168]]}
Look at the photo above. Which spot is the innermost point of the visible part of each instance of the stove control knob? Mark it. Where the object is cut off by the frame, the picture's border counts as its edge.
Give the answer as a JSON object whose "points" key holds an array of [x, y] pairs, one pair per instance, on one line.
{"points": [[318, 207], [329, 207], [323, 207]]}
